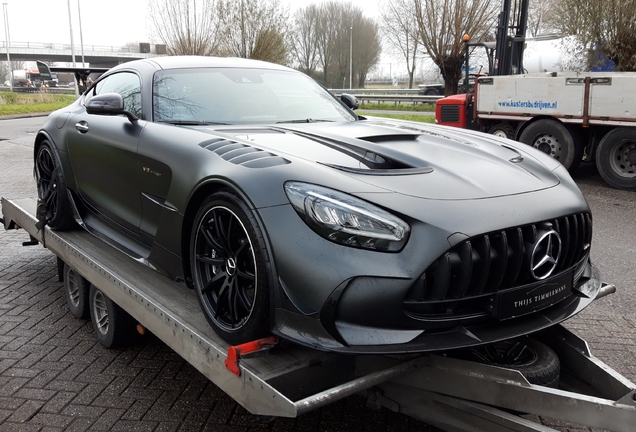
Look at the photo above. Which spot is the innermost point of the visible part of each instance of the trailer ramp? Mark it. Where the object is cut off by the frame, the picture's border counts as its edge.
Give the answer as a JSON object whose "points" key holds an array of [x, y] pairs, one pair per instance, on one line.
{"points": [[453, 394]]}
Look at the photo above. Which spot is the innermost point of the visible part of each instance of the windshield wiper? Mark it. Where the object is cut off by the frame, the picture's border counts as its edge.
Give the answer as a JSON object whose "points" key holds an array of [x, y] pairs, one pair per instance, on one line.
{"points": [[309, 120], [190, 122]]}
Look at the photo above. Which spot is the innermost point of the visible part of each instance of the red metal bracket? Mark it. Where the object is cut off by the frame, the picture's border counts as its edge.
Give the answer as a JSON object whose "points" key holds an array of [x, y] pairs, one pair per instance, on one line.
{"points": [[234, 352]]}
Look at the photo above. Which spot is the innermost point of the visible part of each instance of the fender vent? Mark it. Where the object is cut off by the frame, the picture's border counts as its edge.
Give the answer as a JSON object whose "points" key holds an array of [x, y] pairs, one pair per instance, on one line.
{"points": [[243, 154]]}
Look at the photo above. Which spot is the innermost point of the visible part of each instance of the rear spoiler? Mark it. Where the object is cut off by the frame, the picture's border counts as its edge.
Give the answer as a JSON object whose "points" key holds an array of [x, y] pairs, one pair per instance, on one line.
{"points": [[81, 74]]}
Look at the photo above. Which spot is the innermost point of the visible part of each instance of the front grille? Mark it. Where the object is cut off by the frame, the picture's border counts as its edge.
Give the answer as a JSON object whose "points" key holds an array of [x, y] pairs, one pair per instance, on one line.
{"points": [[449, 113], [462, 280]]}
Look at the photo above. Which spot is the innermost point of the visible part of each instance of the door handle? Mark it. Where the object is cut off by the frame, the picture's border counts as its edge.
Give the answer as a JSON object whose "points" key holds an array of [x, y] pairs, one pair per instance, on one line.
{"points": [[82, 126]]}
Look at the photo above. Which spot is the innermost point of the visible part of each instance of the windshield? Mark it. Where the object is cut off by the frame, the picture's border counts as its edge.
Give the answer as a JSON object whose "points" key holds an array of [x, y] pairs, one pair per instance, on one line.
{"points": [[241, 96]]}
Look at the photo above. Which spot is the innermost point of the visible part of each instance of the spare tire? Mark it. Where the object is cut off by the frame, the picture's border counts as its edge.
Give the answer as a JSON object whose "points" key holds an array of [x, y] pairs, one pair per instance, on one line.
{"points": [[537, 362]]}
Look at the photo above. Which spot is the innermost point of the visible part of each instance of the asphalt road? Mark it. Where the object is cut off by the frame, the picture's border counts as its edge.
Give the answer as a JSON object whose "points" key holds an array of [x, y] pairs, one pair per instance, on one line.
{"points": [[609, 325]]}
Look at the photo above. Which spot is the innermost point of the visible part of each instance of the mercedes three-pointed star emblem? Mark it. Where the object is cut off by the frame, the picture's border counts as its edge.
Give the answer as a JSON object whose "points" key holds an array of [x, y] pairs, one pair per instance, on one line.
{"points": [[545, 255]]}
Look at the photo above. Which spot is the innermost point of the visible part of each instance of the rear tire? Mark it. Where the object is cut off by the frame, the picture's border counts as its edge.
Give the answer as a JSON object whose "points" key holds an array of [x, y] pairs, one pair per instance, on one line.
{"points": [[52, 189], [555, 140], [616, 158], [111, 323], [76, 292]]}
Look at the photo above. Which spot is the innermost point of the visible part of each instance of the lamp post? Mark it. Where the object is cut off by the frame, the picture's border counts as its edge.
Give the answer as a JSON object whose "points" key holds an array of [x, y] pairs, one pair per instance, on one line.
{"points": [[79, 14], [7, 43], [351, 58], [70, 26]]}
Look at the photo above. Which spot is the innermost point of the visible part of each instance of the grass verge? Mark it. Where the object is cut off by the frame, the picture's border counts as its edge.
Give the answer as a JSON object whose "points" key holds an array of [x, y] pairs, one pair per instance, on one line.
{"points": [[409, 117], [27, 103]]}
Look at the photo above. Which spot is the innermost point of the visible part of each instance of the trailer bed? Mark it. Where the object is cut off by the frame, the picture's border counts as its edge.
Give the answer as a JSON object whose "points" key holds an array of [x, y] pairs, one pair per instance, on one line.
{"points": [[453, 394]]}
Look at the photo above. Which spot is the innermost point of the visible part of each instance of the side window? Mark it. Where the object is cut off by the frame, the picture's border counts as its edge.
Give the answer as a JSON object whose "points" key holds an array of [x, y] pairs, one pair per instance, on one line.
{"points": [[127, 85]]}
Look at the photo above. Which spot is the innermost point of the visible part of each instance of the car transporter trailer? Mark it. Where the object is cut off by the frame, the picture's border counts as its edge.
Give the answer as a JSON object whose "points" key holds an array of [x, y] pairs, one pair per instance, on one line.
{"points": [[452, 394]]}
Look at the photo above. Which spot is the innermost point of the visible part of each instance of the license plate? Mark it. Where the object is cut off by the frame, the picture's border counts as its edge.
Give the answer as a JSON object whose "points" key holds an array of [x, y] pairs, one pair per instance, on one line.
{"points": [[532, 298]]}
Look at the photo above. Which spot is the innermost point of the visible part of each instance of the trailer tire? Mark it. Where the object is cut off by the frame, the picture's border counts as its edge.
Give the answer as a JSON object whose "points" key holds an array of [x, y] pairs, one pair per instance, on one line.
{"points": [[616, 158], [52, 189], [554, 139], [76, 292], [231, 268], [110, 322], [537, 362], [503, 130]]}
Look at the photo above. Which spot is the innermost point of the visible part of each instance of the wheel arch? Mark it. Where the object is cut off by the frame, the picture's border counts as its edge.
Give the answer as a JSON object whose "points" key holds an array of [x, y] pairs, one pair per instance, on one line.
{"points": [[61, 155]]}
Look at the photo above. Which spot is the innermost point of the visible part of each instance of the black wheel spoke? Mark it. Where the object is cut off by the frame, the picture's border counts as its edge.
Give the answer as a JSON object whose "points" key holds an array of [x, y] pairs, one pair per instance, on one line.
{"points": [[211, 241], [245, 274], [216, 261], [209, 287]]}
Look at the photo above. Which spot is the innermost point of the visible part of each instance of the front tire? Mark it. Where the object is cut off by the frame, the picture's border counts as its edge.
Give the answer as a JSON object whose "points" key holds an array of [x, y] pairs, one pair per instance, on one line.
{"points": [[554, 139], [616, 158], [230, 268], [52, 189]]}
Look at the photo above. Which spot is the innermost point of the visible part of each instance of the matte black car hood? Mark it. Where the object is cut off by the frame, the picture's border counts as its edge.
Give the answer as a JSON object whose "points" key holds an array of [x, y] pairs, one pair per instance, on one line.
{"points": [[426, 162]]}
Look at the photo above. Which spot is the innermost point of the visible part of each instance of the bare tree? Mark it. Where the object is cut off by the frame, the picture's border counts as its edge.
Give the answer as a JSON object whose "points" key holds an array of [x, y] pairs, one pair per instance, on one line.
{"points": [[186, 27], [441, 25], [540, 13], [367, 46], [399, 28], [326, 38], [304, 42], [346, 43], [606, 29], [255, 29]]}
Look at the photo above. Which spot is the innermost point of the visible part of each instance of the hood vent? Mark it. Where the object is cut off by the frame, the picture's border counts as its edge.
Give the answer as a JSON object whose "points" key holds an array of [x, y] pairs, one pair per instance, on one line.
{"points": [[379, 139], [243, 154]]}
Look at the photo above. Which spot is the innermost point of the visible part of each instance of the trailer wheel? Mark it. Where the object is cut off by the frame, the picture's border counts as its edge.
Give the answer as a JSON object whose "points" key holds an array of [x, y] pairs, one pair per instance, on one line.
{"points": [[229, 264], [52, 189], [537, 362], [503, 130], [555, 140], [76, 292], [616, 158], [110, 322]]}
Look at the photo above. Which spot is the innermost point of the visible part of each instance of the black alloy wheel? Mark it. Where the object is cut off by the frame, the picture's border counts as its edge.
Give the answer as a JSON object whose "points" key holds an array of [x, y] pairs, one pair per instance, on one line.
{"points": [[229, 271], [52, 189]]}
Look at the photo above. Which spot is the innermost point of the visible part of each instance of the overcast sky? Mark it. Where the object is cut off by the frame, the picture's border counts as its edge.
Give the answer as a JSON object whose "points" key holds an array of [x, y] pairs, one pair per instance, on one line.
{"points": [[104, 23]]}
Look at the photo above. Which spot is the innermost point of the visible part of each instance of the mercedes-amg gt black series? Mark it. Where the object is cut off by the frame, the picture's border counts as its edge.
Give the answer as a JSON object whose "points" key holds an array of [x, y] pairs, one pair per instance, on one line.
{"points": [[290, 214]]}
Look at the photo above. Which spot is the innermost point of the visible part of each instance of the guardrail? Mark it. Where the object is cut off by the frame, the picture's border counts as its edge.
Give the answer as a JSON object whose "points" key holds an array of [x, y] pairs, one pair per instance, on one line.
{"points": [[56, 90], [397, 96], [357, 92], [63, 46]]}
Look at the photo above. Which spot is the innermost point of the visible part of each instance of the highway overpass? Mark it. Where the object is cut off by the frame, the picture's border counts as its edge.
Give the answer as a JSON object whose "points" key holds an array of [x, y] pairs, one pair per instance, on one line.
{"points": [[96, 55]]}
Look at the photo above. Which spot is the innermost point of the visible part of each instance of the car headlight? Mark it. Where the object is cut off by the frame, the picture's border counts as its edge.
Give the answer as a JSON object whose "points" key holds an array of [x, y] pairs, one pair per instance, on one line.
{"points": [[347, 220]]}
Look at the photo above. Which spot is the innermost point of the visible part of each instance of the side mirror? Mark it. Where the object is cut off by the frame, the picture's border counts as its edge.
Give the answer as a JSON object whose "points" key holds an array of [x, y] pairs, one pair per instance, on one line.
{"points": [[350, 101], [108, 104]]}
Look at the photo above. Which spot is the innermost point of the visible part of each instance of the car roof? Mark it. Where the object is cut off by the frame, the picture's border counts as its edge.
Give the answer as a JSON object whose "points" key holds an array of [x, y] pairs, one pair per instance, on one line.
{"points": [[178, 62]]}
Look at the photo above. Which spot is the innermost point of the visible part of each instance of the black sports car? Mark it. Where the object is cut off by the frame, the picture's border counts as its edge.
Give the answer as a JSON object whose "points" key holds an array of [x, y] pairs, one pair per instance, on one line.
{"points": [[289, 214]]}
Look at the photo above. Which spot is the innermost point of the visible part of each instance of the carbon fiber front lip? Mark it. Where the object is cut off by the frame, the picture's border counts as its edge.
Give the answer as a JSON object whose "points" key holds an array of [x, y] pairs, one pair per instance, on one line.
{"points": [[493, 331]]}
